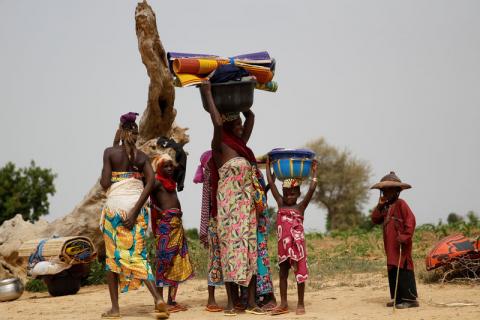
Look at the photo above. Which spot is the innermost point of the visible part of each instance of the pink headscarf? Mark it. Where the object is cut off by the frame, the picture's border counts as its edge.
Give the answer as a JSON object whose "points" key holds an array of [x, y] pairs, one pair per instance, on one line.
{"points": [[204, 158]]}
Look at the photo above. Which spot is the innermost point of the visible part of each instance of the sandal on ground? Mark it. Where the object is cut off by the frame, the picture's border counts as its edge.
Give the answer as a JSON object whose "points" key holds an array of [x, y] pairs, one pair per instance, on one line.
{"points": [[110, 315], [176, 308], [255, 310], [213, 308], [279, 310], [240, 307], [162, 315], [269, 306], [229, 313], [184, 307]]}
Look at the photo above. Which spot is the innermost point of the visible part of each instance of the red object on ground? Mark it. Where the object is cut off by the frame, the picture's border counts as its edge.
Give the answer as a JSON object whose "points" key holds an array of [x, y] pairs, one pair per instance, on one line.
{"points": [[450, 248]]}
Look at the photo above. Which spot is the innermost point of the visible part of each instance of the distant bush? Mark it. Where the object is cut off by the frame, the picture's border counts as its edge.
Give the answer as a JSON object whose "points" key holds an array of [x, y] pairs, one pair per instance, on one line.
{"points": [[454, 218], [192, 234]]}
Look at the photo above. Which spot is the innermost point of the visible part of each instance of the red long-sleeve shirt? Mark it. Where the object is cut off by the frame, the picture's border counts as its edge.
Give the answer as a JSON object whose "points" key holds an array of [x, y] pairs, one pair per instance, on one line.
{"points": [[398, 226]]}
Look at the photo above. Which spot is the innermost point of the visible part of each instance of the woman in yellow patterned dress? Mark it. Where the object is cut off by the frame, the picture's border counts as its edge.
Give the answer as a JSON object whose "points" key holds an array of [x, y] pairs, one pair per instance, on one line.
{"points": [[124, 218]]}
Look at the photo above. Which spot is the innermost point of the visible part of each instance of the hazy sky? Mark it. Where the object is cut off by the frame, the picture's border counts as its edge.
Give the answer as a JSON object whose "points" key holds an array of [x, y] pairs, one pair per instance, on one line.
{"points": [[395, 82]]}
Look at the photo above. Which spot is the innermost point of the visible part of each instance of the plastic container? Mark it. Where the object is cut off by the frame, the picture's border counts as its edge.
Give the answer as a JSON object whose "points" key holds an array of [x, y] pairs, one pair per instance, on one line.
{"points": [[232, 96], [291, 163]]}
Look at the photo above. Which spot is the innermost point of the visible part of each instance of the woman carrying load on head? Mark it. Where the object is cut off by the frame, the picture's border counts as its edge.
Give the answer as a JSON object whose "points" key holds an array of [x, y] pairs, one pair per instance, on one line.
{"points": [[234, 204]]}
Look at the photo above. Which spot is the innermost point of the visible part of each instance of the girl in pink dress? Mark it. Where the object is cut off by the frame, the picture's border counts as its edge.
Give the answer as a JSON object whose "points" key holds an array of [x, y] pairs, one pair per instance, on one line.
{"points": [[291, 240]]}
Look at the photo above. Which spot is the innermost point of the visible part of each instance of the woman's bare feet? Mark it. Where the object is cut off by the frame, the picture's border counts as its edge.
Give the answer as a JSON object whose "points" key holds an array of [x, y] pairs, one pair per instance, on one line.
{"points": [[280, 310], [161, 306], [111, 314], [300, 310]]}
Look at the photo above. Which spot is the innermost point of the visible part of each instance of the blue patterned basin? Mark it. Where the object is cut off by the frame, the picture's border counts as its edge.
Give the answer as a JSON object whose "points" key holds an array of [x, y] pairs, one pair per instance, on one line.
{"points": [[291, 163]]}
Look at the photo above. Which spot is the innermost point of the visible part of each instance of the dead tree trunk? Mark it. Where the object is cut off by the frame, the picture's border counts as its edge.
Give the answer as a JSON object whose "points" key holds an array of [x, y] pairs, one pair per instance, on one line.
{"points": [[157, 120]]}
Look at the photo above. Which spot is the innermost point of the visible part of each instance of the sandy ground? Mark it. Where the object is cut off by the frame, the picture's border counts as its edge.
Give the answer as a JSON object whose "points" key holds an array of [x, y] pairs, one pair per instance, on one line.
{"points": [[343, 300]]}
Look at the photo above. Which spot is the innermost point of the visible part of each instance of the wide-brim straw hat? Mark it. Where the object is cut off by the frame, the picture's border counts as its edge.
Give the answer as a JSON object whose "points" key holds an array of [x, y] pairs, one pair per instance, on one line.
{"points": [[391, 180]]}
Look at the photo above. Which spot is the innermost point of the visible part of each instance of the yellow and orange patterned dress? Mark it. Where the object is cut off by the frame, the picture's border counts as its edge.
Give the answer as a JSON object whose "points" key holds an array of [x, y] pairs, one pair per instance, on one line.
{"points": [[126, 249]]}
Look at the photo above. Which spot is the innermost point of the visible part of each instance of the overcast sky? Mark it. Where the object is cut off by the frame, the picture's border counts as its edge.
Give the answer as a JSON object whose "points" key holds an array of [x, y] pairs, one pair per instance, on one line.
{"points": [[395, 82]]}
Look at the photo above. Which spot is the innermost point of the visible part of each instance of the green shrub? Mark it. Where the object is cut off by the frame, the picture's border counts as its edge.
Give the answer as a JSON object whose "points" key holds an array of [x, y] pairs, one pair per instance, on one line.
{"points": [[36, 285], [97, 275]]}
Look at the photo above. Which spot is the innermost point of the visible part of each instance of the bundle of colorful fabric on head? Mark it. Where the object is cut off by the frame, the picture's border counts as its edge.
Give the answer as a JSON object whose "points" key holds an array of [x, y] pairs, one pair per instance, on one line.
{"points": [[192, 69]]}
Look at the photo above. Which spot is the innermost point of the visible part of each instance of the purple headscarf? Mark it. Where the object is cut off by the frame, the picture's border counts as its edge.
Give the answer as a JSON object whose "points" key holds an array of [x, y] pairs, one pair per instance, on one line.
{"points": [[128, 117]]}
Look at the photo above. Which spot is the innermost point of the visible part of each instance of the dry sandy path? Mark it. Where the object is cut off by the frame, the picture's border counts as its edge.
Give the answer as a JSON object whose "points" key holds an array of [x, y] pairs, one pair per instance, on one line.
{"points": [[333, 302]]}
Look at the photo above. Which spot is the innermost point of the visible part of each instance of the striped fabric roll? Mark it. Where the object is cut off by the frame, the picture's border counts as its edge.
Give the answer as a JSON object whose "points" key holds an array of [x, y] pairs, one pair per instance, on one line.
{"points": [[271, 86], [195, 66], [192, 69], [263, 74], [186, 80]]}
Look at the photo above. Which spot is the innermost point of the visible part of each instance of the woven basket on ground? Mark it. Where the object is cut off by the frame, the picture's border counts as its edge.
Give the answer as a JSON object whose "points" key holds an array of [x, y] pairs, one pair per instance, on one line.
{"points": [[54, 248]]}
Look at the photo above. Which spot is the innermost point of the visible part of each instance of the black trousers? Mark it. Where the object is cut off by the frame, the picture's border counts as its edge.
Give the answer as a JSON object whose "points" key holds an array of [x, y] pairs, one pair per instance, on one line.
{"points": [[407, 288]]}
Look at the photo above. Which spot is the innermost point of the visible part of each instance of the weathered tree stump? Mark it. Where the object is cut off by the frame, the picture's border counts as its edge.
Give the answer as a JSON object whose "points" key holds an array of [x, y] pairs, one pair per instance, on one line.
{"points": [[157, 120]]}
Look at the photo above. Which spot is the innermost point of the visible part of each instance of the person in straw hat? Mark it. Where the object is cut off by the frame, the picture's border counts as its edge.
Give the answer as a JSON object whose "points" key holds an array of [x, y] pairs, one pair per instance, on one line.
{"points": [[398, 227]]}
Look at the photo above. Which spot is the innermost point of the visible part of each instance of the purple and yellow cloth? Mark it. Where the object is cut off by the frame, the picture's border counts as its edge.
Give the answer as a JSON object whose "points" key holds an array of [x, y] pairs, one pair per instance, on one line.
{"points": [[192, 69], [172, 259]]}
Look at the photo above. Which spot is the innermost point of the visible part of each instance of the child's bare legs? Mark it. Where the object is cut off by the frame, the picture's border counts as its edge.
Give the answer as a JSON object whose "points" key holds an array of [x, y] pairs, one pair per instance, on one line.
{"points": [[284, 268], [160, 292], [172, 294], [173, 306], [283, 307], [112, 280], [301, 294]]}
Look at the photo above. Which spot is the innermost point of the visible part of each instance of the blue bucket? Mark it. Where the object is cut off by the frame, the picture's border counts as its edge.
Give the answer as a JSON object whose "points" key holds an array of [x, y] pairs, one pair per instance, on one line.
{"points": [[291, 163]]}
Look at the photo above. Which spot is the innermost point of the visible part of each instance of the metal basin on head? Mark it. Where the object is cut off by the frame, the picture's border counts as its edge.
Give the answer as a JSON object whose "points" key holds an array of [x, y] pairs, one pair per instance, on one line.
{"points": [[232, 96], [291, 163]]}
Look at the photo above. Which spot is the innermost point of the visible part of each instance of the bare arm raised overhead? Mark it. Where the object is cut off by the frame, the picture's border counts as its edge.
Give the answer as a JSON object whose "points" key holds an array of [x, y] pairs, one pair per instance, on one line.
{"points": [[273, 187], [206, 91], [248, 125], [311, 190]]}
